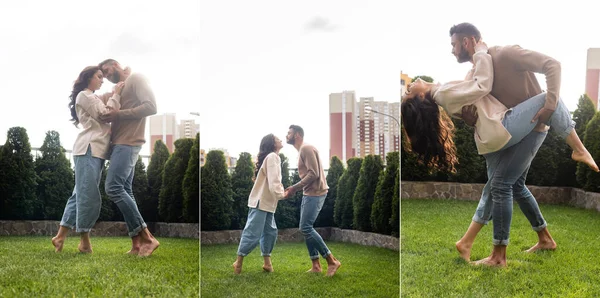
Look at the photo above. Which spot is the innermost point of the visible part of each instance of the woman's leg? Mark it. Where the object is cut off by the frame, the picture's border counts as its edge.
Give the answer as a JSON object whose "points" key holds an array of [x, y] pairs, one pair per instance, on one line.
{"points": [[267, 241], [518, 123], [89, 201], [250, 236], [67, 222]]}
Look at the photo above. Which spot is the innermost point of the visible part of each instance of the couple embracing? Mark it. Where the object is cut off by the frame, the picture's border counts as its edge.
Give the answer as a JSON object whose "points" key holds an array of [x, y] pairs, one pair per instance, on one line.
{"points": [[113, 128]]}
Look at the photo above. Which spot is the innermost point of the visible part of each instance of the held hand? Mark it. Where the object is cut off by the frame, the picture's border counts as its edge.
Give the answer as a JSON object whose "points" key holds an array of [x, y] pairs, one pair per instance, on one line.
{"points": [[480, 45], [469, 115], [543, 115], [110, 116], [119, 87]]}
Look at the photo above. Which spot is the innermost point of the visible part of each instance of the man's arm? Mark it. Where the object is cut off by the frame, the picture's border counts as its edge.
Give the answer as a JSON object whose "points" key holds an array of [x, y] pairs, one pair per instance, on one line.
{"points": [[526, 60], [145, 95], [309, 158]]}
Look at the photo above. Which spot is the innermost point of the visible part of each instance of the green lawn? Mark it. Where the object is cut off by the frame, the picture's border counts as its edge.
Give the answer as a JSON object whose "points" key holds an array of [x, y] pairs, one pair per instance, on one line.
{"points": [[29, 267], [431, 266], [365, 272]]}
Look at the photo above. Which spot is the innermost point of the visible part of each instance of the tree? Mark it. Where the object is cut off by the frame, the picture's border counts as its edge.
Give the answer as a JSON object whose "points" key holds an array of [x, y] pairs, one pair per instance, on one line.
{"points": [[287, 214], [336, 169], [216, 193], [471, 167], [55, 178], [395, 219], [381, 211], [191, 184], [582, 115], [544, 167], [242, 183], [156, 167], [285, 171], [343, 208], [362, 201], [424, 78], [17, 176], [592, 143], [140, 184], [170, 201]]}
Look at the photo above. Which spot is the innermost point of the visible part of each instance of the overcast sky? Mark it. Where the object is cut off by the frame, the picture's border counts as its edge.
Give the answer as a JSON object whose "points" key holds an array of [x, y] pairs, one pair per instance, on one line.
{"points": [[268, 64], [46, 44], [255, 67]]}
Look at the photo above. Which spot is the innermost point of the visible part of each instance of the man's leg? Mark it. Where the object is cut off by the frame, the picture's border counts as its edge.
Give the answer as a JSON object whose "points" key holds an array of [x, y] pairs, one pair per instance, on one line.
{"points": [[311, 206], [515, 163], [529, 205], [120, 173]]}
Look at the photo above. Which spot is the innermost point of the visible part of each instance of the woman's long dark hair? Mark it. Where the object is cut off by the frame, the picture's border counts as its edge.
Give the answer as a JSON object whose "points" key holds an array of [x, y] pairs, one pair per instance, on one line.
{"points": [[81, 83], [430, 132], [267, 145]]}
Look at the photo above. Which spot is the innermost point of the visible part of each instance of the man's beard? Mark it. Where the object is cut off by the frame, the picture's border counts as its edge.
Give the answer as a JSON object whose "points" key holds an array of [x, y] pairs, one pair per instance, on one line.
{"points": [[115, 78], [463, 56], [292, 141]]}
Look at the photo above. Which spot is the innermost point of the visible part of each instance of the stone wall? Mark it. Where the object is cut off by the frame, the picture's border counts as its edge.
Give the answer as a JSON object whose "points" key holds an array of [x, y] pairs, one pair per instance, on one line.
{"points": [[106, 228], [294, 235], [472, 192]]}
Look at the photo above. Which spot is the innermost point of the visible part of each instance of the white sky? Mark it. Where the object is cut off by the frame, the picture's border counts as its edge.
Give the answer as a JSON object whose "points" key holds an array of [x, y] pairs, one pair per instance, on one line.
{"points": [[255, 67], [268, 64], [46, 44]]}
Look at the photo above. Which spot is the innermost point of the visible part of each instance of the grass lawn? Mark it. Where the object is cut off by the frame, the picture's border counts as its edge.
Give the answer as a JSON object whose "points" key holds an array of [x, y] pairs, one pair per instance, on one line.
{"points": [[365, 272], [431, 266], [29, 267]]}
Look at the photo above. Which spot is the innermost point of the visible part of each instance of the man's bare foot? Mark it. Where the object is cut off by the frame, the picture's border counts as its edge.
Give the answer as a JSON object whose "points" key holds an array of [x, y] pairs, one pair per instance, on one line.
{"points": [[58, 243], [268, 268], [332, 268], [464, 250], [315, 270], [542, 246], [148, 247], [586, 158], [236, 269], [85, 248], [490, 262], [134, 251]]}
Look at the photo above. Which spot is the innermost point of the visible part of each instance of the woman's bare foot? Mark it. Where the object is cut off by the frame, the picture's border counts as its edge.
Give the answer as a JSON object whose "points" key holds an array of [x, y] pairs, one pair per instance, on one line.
{"points": [[496, 262], [85, 248], [313, 270], [586, 158], [267, 268], [237, 269], [542, 246], [464, 250], [58, 243], [332, 268], [148, 247]]}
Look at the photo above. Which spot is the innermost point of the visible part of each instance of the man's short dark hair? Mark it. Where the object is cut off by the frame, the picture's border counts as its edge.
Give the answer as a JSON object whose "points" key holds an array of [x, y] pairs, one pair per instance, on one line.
{"points": [[107, 61], [465, 30], [298, 129]]}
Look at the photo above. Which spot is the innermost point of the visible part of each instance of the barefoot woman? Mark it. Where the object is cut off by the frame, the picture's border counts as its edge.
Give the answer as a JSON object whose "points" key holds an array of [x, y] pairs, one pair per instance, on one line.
{"points": [[89, 152], [262, 202]]}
